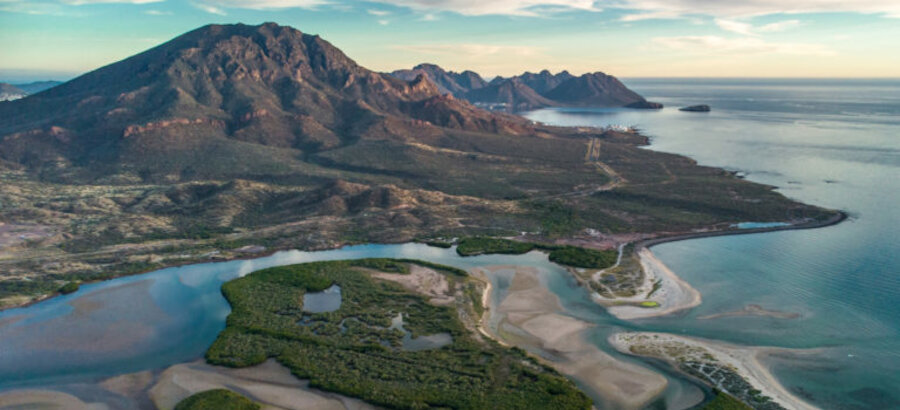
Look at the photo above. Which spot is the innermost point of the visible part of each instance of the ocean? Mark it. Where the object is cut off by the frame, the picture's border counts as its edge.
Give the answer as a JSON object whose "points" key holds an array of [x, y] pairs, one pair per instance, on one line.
{"points": [[832, 143], [827, 142]]}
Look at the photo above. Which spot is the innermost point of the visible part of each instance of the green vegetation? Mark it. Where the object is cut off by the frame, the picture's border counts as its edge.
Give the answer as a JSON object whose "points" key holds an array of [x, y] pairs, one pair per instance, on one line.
{"points": [[657, 285], [355, 351], [219, 399], [583, 257], [480, 245], [70, 287], [649, 304], [724, 401], [439, 244], [564, 255]]}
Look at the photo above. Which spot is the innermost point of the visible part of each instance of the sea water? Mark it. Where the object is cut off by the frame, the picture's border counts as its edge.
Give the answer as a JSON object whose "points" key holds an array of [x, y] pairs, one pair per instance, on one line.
{"points": [[834, 144], [831, 143]]}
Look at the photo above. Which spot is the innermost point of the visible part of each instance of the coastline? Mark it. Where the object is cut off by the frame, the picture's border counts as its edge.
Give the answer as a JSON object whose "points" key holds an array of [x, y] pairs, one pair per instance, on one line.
{"points": [[742, 360], [675, 294]]}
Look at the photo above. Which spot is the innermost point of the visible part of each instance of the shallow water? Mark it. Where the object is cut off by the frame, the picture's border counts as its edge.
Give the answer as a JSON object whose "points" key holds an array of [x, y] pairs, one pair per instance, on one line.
{"points": [[181, 310], [327, 300], [830, 143], [842, 280]]}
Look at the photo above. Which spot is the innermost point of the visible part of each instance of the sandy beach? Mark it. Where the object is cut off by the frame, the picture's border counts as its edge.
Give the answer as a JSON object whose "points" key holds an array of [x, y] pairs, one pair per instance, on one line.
{"points": [[743, 360], [269, 384], [531, 315], [674, 294]]}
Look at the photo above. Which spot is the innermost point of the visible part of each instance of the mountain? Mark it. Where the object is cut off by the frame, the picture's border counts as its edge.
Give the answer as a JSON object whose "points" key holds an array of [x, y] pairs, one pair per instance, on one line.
{"points": [[448, 82], [9, 92], [532, 90], [510, 94], [544, 81], [37, 86], [269, 98], [594, 89]]}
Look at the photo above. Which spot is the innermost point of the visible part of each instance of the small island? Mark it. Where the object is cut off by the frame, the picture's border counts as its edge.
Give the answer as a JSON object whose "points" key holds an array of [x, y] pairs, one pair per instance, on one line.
{"points": [[695, 108]]}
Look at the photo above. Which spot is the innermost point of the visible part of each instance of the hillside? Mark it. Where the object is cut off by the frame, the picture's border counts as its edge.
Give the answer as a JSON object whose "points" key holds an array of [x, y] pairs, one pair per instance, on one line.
{"points": [[594, 89], [267, 97], [37, 86], [448, 82], [9, 92], [235, 139]]}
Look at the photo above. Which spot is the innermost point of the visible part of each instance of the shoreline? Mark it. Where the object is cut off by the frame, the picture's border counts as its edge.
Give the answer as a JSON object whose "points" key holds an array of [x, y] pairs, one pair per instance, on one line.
{"points": [[839, 217], [646, 243], [742, 360], [533, 316], [675, 294]]}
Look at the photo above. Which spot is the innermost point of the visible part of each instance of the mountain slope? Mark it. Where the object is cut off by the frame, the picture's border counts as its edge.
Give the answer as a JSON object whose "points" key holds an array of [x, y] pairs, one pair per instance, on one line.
{"points": [[264, 96], [9, 92], [513, 94], [544, 81], [37, 86], [595, 89], [447, 81], [533, 90]]}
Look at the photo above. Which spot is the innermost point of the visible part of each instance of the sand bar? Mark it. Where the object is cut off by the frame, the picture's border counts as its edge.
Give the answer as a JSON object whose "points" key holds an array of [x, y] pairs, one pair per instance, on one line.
{"points": [[674, 294], [530, 315], [744, 360]]}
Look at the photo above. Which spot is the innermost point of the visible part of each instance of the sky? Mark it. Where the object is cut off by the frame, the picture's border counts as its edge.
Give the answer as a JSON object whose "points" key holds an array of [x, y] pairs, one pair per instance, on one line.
{"points": [[59, 39]]}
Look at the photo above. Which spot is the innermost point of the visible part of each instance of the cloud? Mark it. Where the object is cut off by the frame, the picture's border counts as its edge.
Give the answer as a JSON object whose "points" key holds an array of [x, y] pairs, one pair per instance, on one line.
{"points": [[58, 7], [731, 9], [471, 50], [84, 2], [779, 26], [265, 4], [158, 13], [384, 22], [210, 9], [531, 8], [736, 27], [743, 46], [748, 29], [379, 13]]}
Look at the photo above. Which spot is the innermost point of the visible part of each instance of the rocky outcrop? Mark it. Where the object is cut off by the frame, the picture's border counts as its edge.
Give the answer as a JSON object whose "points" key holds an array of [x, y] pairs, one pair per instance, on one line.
{"points": [[695, 108], [647, 105]]}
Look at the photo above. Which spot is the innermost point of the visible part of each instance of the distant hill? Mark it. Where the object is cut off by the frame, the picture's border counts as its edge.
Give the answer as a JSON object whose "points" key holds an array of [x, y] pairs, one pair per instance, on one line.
{"points": [[9, 92], [594, 89], [447, 81], [37, 86], [513, 95], [533, 90]]}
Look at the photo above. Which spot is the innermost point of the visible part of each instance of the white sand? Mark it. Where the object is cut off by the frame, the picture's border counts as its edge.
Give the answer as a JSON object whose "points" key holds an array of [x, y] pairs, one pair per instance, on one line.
{"points": [[674, 294], [742, 359], [269, 383], [531, 315], [45, 399]]}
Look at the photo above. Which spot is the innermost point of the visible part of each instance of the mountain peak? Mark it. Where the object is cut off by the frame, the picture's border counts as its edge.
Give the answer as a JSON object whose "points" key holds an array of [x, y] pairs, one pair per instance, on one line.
{"points": [[235, 90]]}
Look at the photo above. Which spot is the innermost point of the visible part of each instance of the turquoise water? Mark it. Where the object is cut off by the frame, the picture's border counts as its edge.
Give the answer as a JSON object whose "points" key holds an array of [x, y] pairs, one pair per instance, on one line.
{"points": [[831, 143], [170, 316], [844, 280]]}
